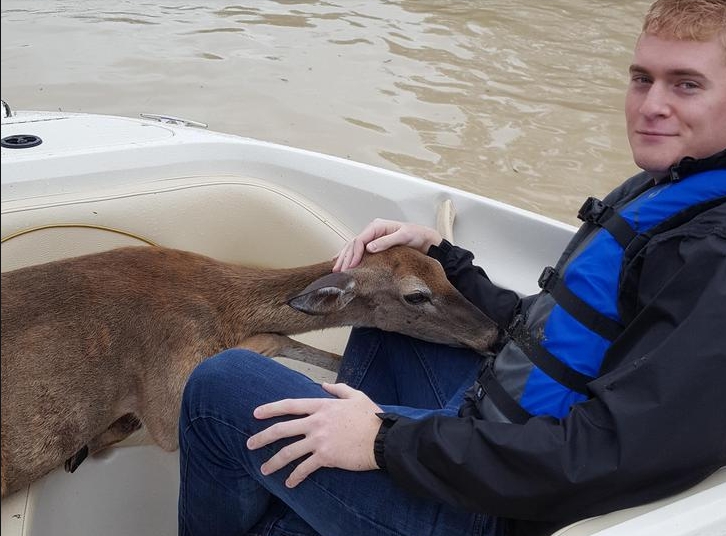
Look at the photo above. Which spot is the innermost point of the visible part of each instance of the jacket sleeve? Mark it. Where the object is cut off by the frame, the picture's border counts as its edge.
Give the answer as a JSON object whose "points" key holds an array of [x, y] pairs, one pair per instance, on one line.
{"points": [[653, 426], [497, 303]]}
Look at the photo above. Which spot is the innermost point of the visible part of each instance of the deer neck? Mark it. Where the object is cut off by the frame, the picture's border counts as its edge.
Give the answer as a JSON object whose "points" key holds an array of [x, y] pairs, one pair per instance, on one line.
{"points": [[256, 301]]}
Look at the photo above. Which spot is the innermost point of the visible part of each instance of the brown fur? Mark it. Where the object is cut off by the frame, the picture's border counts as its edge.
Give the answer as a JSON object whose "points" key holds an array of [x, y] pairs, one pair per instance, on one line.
{"points": [[91, 343]]}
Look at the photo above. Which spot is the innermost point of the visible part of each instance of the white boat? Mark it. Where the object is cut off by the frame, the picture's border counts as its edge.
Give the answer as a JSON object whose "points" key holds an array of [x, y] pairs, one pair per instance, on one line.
{"points": [[79, 183]]}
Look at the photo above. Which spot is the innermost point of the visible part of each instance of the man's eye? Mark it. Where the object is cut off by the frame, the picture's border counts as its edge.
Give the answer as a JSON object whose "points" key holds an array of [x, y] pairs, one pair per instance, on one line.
{"points": [[688, 85], [640, 79]]}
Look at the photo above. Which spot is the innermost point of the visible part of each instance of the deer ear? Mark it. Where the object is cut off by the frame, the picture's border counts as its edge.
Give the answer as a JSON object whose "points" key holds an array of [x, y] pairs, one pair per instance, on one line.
{"points": [[328, 294]]}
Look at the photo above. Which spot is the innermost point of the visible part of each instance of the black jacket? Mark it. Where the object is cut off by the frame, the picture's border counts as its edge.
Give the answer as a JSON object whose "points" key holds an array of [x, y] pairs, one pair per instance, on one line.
{"points": [[654, 424]]}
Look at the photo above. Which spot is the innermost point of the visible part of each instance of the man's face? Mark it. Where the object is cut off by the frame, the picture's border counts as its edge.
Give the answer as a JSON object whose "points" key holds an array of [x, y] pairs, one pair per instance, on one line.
{"points": [[676, 101]]}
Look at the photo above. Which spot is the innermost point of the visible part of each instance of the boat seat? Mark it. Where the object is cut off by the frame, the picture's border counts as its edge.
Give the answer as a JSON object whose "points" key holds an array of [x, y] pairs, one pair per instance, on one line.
{"points": [[695, 508], [230, 218]]}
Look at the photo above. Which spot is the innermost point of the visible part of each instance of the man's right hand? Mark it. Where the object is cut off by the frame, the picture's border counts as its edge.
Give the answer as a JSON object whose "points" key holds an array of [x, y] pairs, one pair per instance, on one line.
{"points": [[380, 235]]}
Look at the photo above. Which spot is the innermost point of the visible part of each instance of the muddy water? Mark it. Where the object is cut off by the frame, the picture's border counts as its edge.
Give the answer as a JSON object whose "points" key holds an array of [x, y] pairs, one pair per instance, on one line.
{"points": [[506, 98]]}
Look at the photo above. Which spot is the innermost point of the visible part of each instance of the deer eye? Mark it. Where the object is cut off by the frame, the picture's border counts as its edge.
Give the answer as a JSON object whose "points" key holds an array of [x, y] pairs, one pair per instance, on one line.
{"points": [[416, 298]]}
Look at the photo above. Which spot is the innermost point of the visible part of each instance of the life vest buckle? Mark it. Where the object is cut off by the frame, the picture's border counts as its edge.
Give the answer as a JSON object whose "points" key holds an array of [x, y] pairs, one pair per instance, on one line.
{"points": [[547, 278], [594, 211]]}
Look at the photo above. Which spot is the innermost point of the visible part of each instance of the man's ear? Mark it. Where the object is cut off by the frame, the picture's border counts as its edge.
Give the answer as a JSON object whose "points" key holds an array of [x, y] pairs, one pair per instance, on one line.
{"points": [[326, 295]]}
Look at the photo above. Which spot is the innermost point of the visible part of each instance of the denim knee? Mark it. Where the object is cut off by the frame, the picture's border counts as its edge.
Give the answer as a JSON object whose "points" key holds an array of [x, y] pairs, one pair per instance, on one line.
{"points": [[240, 380], [220, 378], [218, 367]]}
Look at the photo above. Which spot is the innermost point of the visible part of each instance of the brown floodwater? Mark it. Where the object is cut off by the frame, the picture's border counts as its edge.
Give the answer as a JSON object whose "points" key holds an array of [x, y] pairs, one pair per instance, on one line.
{"points": [[516, 100]]}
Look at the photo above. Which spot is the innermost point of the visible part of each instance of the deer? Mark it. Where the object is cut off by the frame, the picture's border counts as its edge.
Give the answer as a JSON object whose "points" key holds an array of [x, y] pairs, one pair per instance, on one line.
{"points": [[95, 347]]}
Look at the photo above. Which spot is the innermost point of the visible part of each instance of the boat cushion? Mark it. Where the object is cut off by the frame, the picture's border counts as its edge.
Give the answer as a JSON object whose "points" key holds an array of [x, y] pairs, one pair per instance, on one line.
{"points": [[229, 218]]}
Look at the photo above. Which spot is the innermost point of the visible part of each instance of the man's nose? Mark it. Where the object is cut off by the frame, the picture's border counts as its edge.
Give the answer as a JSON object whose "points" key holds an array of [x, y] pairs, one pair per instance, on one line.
{"points": [[656, 102]]}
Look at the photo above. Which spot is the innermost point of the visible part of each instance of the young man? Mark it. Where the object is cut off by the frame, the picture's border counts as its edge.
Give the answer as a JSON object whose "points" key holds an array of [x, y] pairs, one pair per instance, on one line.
{"points": [[605, 392]]}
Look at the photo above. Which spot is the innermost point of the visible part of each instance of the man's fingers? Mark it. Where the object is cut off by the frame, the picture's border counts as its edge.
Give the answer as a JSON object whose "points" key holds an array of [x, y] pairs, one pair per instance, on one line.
{"points": [[350, 256], [342, 260], [341, 390], [280, 430], [286, 455], [382, 243], [302, 471], [370, 238], [358, 248], [288, 406]]}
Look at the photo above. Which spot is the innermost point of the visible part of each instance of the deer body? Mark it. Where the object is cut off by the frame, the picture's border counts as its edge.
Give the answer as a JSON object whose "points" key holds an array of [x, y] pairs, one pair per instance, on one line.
{"points": [[93, 343]]}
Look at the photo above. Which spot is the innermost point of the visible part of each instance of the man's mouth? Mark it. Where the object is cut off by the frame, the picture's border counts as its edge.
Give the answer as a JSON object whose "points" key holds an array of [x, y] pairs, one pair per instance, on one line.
{"points": [[655, 133]]}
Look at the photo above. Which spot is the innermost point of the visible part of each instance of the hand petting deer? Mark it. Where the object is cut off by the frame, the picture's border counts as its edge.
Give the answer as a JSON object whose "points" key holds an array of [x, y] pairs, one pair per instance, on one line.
{"points": [[93, 347]]}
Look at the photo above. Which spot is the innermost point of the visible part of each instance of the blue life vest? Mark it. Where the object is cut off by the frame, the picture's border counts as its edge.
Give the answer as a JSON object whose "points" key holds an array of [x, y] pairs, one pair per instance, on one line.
{"points": [[559, 347]]}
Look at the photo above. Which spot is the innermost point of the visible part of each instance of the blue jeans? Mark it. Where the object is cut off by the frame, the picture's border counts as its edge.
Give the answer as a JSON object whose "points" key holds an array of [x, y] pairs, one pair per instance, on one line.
{"points": [[222, 490]]}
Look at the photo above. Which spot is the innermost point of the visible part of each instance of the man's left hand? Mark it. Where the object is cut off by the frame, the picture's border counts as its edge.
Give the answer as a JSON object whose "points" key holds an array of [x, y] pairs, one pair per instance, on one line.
{"points": [[336, 432]]}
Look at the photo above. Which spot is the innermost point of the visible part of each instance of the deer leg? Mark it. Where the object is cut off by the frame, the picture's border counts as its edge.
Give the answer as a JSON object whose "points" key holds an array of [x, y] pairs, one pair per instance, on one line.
{"points": [[276, 345], [74, 461], [160, 401], [119, 430]]}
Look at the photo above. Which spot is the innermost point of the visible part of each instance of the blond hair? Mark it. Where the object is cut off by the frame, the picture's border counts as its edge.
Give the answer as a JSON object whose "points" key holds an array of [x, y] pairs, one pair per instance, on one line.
{"points": [[693, 20]]}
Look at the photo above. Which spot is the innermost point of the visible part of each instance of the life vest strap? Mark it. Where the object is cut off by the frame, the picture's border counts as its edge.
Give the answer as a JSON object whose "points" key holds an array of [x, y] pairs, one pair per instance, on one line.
{"points": [[488, 385], [546, 361], [550, 281], [595, 211]]}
